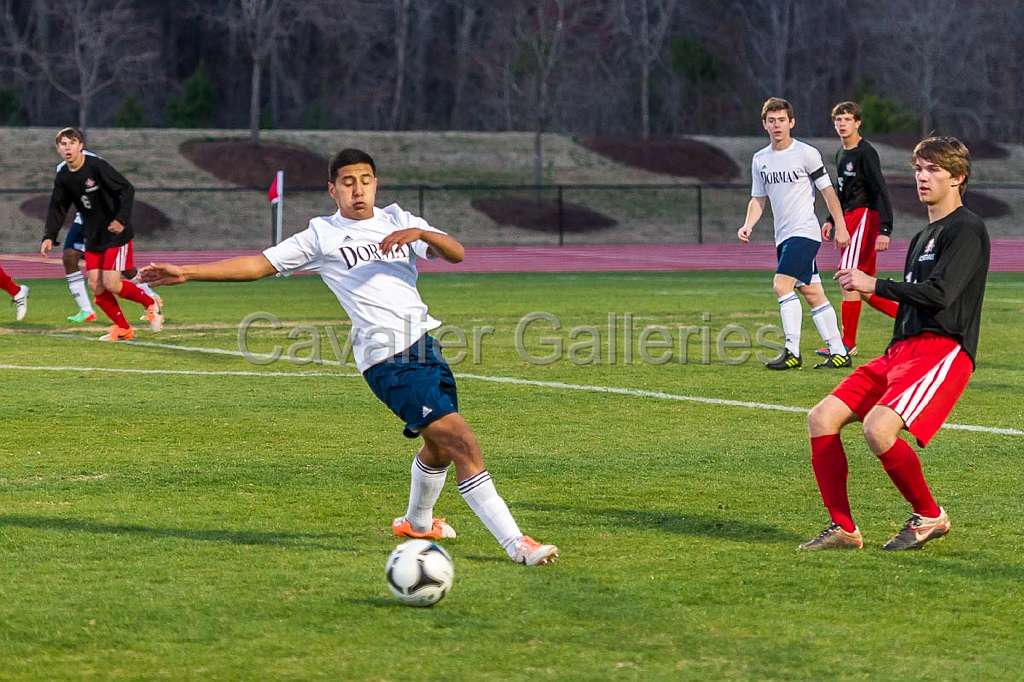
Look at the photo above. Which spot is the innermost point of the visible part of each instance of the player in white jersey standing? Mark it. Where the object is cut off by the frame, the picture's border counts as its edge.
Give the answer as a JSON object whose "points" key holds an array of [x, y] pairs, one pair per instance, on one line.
{"points": [[786, 172], [367, 257]]}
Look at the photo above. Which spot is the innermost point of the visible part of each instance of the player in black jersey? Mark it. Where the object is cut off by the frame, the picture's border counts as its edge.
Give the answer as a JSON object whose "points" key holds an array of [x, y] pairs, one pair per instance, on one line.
{"points": [[926, 367], [867, 213], [104, 199]]}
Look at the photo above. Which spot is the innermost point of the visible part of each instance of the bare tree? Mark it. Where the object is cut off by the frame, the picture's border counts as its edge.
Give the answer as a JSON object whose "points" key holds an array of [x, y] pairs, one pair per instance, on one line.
{"points": [[100, 45], [264, 23], [646, 23]]}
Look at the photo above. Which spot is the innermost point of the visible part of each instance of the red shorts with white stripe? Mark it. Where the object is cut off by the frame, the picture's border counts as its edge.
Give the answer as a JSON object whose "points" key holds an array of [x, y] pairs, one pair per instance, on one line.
{"points": [[919, 378], [115, 258], [864, 226]]}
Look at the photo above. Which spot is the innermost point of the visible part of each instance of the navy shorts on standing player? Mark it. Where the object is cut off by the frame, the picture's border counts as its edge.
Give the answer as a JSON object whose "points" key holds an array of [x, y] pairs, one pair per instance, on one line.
{"points": [[416, 384], [75, 238], [797, 259]]}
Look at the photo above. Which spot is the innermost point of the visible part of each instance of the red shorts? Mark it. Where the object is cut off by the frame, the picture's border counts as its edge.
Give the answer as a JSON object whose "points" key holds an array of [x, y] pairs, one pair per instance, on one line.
{"points": [[919, 378], [864, 227], [115, 258]]}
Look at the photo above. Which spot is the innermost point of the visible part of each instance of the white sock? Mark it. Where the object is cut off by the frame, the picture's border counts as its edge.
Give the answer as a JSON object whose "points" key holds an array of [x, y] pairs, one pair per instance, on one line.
{"points": [[825, 320], [146, 288], [76, 285], [427, 483], [479, 493], [792, 316]]}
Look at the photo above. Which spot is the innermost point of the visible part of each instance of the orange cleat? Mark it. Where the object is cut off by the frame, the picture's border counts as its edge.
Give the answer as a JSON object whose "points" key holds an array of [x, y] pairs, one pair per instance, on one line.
{"points": [[529, 552], [155, 317], [118, 334], [439, 529]]}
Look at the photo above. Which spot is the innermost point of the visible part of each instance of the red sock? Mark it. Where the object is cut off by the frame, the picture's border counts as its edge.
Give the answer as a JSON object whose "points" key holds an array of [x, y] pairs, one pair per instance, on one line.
{"points": [[904, 468], [108, 304], [829, 463], [851, 316], [885, 305], [133, 293], [8, 284]]}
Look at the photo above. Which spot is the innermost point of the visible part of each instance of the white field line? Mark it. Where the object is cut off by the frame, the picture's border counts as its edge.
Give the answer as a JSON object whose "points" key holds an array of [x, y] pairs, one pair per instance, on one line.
{"points": [[514, 381]]}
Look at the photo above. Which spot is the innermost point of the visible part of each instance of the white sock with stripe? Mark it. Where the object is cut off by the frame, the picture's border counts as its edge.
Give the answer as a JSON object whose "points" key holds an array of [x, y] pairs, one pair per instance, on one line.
{"points": [[147, 289], [426, 486], [825, 320], [479, 493], [792, 316], [79, 292]]}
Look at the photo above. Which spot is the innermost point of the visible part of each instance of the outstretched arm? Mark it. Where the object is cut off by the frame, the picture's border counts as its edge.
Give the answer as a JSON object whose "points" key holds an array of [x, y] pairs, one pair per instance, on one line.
{"points": [[240, 269], [440, 244]]}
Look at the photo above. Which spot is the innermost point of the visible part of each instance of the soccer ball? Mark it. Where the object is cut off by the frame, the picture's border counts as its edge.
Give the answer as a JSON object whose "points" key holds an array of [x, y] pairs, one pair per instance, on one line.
{"points": [[419, 573]]}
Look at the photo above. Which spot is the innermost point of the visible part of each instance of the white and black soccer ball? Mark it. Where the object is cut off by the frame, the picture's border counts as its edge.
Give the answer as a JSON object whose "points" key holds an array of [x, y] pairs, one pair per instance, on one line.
{"points": [[419, 573]]}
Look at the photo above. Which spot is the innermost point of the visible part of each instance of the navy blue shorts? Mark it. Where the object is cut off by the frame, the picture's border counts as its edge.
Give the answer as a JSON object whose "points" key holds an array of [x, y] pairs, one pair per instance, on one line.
{"points": [[797, 259], [75, 238], [417, 385]]}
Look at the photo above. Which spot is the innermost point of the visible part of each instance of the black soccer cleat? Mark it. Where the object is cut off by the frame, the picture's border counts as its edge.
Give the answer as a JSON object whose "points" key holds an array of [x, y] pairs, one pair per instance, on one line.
{"points": [[785, 361], [835, 362]]}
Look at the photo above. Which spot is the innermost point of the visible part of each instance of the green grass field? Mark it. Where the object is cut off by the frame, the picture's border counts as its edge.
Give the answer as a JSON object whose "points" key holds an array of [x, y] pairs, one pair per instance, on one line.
{"points": [[181, 522]]}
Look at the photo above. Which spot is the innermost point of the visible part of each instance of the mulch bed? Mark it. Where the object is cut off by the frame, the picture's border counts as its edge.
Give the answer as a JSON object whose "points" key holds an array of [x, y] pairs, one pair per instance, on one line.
{"points": [[904, 198], [542, 215], [677, 156], [146, 218], [980, 149], [242, 163]]}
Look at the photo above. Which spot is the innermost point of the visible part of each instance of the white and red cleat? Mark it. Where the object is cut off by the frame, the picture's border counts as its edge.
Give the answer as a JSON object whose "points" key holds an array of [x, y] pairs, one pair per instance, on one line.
{"points": [[439, 529], [529, 552]]}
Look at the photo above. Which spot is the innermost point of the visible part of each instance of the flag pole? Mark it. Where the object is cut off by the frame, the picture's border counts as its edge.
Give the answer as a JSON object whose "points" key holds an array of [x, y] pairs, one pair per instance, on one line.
{"points": [[276, 196]]}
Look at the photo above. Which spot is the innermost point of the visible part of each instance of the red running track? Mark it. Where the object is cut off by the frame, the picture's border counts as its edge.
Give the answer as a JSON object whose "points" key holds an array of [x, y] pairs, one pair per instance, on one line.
{"points": [[1007, 256]]}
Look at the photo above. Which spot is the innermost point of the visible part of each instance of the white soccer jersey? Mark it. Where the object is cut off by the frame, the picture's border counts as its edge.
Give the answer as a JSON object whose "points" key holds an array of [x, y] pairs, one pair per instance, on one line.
{"points": [[788, 179], [378, 291]]}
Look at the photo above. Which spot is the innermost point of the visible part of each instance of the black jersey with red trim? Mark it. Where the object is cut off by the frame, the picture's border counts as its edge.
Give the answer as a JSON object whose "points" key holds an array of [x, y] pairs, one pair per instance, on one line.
{"points": [[860, 181], [944, 281], [100, 194]]}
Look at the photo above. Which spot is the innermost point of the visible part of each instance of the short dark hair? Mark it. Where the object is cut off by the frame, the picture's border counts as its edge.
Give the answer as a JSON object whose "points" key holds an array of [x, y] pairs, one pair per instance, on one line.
{"points": [[348, 157], [848, 107], [70, 133]]}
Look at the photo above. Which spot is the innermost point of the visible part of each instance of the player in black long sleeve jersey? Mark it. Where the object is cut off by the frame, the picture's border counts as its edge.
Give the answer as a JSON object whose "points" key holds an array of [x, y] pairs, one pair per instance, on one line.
{"points": [[926, 367], [104, 199], [867, 212]]}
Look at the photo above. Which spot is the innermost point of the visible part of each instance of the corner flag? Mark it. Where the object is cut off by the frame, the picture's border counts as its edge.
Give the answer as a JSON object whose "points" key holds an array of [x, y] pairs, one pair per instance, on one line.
{"points": [[276, 197]]}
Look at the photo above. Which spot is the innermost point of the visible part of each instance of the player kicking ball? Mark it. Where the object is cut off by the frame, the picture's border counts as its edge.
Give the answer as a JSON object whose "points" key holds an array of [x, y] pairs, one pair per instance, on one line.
{"points": [[922, 374], [367, 258], [104, 200], [18, 292], [787, 172]]}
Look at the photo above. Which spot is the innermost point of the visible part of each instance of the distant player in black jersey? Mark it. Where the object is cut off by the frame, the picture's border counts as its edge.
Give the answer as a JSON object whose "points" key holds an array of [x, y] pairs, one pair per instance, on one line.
{"points": [[867, 212], [922, 374], [104, 201]]}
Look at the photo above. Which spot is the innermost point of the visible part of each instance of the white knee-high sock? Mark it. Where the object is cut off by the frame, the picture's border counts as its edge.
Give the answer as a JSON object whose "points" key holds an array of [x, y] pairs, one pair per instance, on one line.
{"points": [[147, 289], [76, 285], [792, 316], [825, 320], [479, 493], [426, 486]]}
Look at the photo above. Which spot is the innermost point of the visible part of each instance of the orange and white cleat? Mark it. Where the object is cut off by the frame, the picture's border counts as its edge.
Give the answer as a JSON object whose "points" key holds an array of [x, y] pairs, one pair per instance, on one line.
{"points": [[529, 552], [118, 334], [439, 529], [155, 316], [159, 304]]}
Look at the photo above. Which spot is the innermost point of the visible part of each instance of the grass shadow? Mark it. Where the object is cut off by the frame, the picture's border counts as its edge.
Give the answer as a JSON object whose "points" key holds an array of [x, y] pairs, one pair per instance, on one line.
{"points": [[237, 537], [699, 525]]}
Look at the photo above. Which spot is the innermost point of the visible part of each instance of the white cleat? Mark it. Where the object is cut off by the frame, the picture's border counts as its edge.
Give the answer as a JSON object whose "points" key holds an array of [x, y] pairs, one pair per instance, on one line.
{"points": [[529, 552], [155, 316], [21, 303]]}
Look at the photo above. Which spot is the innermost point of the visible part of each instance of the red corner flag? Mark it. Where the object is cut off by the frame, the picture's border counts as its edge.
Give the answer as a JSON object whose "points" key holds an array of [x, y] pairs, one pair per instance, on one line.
{"points": [[274, 193]]}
